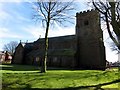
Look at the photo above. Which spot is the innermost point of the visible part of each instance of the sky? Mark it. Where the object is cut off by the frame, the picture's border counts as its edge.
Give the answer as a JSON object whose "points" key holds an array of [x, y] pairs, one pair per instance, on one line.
{"points": [[17, 23]]}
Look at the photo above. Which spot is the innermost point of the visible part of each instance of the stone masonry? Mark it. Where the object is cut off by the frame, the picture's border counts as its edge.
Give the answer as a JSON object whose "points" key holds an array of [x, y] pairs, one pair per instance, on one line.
{"points": [[84, 50]]}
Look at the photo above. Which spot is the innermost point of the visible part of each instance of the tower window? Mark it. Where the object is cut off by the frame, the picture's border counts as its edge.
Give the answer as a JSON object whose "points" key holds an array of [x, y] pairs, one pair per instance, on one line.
{"points": [[86, 23]]}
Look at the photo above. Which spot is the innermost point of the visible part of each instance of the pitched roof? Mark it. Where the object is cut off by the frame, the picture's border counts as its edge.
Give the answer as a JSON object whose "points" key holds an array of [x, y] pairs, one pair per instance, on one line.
{"points": [[28, 45], [58, 39]]}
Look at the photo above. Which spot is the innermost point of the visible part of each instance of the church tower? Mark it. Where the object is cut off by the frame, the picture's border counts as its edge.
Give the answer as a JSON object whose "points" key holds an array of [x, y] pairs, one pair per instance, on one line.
{"points": [[90, 46]]}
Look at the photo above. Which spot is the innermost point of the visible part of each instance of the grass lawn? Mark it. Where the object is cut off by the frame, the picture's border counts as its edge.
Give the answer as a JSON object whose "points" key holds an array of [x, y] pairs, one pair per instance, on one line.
{"points": [[23, 77]]}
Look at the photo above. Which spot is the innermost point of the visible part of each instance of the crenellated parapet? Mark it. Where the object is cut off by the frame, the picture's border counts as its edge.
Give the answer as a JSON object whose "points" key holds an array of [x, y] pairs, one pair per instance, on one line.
{"points": [[88, 18], [85, 12]]}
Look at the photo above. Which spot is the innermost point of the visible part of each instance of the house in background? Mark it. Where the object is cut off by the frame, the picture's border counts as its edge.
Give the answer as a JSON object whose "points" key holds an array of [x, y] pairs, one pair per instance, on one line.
{"points": [[5, 57], [83, 50], [2, 56]]}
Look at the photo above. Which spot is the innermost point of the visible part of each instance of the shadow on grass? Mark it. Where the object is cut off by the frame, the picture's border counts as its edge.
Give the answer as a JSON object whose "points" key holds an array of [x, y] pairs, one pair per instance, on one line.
{"points": [[19, 67], [15, 67], [95, 86], [71, 68], [91, 87]]}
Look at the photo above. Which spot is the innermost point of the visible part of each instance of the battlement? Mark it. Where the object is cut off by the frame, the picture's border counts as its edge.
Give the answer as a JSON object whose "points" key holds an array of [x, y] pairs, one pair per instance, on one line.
{"points": [[85, 12]]}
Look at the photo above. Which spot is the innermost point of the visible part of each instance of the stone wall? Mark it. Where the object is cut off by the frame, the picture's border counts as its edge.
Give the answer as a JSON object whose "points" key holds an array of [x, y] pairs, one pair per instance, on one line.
{"points": [[18, 55], [90, 40], [62, 42]]}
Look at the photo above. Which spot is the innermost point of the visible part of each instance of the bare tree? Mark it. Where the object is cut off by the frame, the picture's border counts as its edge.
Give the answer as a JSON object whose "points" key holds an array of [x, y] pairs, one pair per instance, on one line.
{"points": [[110, 10], [50, 12], [10, 47]]}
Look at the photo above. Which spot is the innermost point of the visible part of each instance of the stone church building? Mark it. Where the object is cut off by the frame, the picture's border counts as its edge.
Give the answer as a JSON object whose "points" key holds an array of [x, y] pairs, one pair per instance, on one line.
{"points": [[83, 50]]}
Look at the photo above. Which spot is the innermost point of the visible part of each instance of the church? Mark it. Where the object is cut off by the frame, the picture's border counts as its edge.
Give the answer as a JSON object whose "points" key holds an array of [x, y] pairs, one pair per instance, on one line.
{"points": [[84, 50]]}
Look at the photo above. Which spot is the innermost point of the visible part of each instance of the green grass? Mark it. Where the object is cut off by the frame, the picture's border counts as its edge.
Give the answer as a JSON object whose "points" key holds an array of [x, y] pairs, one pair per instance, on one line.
{"points": [[29, 77]]}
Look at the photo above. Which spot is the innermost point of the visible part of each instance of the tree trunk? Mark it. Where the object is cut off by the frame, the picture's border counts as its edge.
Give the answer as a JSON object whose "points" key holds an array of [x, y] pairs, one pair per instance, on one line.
{"points": [[44, 66]]}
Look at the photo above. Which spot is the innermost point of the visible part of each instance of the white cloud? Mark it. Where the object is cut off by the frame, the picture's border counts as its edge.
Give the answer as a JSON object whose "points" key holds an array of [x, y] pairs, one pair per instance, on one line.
{"points": [[111, 56], [17, 1], [10, 14], [37, 31], [6, 33], [3, 14], [62, 31], [19, 17]]}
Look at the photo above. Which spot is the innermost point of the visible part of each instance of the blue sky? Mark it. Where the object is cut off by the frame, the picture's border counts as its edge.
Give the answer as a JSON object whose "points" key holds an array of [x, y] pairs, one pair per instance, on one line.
{"points": [[16, 24]]}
